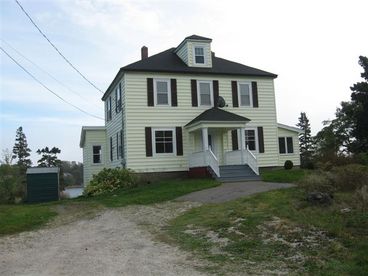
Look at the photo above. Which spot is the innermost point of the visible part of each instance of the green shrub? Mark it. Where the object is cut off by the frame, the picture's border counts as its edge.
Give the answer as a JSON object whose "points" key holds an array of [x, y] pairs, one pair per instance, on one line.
{"points": [[288, 165], [12, 184], [109, 180], [350, 177], [360, 198], [318, 182]]}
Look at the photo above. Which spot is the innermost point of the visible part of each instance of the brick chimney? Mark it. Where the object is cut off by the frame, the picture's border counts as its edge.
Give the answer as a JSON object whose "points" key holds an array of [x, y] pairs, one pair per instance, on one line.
{"points": [[144, 52]]}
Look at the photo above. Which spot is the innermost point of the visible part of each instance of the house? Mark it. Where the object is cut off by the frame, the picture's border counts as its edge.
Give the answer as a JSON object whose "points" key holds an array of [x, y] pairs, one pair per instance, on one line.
{"points": [[187, 110]]}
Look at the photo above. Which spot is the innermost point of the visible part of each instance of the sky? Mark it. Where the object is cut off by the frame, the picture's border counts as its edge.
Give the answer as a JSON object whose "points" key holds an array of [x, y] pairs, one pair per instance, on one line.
{"points": [[313, 47]]}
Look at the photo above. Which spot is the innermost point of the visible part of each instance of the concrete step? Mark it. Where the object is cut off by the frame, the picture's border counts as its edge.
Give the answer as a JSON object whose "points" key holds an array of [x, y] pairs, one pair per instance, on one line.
{"points": [[237, 173], [239, 179]]}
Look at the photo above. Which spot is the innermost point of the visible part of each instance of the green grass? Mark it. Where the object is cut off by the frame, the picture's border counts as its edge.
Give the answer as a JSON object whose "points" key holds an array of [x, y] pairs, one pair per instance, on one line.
{"points": [[18, 218], [24, 217], [284, 176], [153, 193], [341, 250]]}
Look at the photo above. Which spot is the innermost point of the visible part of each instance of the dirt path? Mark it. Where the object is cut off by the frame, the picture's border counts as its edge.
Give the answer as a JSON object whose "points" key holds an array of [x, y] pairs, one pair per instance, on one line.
{"points": [[116, 241]]}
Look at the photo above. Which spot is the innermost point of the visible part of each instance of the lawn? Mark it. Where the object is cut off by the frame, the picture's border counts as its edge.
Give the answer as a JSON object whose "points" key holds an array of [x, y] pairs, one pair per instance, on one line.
{"points": [[23, 217], [17, 218], [276, 232], [153, 193], [284, 176]]}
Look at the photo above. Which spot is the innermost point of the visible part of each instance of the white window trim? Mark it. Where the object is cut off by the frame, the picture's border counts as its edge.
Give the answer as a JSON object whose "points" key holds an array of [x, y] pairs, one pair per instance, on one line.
{"points": [[199, 93], [250, 93], [154, 142], [101, 156], [255, 137], [204, 54], [286, 146], [155, 91], [205, 48], [118, 106]]}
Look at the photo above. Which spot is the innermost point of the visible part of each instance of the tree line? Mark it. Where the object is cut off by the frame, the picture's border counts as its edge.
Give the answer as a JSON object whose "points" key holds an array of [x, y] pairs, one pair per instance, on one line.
{"points": [[343, 139]]}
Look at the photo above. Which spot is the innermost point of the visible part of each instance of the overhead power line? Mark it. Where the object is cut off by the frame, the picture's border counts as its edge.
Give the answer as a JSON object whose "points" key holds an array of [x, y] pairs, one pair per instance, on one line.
{"points": [[47, 73], [57, 50], [55, 94]]}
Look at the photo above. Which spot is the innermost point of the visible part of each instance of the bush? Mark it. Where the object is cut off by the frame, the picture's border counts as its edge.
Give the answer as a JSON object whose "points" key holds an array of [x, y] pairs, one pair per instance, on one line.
{"points": [[318, 182], [288, 165], [12, 184], [350, 177], [109, 180], [360, 198]]}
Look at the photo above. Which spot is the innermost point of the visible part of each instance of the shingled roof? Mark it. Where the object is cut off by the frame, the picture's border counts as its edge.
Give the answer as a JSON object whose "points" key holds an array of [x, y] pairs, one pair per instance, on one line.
{"points": [[197, 37], [218, 115], [168, 62]]}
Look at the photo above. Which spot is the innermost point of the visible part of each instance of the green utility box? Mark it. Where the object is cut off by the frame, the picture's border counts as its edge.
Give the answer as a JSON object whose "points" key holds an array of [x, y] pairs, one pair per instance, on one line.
{"points": [[42, 184]]}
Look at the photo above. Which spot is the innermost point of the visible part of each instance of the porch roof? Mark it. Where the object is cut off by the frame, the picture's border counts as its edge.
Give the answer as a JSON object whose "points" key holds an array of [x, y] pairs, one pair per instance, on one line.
{"points": [[216, 117]]}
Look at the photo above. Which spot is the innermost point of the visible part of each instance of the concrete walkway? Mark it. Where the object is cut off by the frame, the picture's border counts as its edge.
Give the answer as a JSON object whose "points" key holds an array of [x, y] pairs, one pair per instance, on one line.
{"points": [[230, 191]]}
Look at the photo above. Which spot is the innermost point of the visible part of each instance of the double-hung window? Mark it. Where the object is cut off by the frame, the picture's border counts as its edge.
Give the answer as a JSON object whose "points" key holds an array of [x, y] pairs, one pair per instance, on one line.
{"points": [[205, 94], [286, 145], [108, 109], [97, 154], [162, 92], [163, 141], [245, 95], [199, 55], [251, 139], [118, 98]]}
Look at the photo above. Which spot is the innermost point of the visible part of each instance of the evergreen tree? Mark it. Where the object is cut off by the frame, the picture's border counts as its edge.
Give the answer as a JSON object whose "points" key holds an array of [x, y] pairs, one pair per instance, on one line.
{"points": [[21, 150], [305, 140], [48, 157], [359, 99]]}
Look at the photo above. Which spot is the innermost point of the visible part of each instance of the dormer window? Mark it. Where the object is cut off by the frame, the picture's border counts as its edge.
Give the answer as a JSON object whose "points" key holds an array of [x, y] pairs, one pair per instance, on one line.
{"points": [[199, 55]]}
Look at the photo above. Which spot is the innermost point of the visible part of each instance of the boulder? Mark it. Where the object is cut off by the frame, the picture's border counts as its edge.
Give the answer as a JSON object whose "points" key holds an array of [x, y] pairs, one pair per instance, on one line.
{"points": [[319, 198]]}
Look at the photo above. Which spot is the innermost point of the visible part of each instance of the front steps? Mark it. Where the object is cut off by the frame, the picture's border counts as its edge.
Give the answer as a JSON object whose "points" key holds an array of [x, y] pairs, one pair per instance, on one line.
{"points": [[237, 173]]}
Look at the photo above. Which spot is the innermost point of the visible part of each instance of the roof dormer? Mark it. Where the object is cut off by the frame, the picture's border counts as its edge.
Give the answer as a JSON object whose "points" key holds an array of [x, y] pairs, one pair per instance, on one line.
{"points": [[195, 51]]}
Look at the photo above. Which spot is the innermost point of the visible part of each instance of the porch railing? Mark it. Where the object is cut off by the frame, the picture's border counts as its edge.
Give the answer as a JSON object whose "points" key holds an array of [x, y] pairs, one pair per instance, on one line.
{"points": [[204, 159], [238, 157], [252, 161]]}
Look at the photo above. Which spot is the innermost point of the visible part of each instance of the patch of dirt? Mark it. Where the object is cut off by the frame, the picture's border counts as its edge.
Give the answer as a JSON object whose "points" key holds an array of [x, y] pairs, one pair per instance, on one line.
{"points": [[109, 242]]}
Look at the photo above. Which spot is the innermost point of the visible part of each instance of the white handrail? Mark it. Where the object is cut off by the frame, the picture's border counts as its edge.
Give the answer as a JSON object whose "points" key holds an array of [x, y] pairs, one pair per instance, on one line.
{"points": [[252, 161], [204, 159], [213, 162]]}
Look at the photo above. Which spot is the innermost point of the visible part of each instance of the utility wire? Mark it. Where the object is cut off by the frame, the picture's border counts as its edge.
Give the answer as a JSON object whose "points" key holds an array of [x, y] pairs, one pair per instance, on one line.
{"points": [[57, 50], [47, 73], [61, 98]]}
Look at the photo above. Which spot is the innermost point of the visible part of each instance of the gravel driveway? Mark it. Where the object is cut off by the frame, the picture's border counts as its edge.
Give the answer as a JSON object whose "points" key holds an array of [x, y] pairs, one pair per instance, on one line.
{"points": [[115, 242], [119, 241], [231, 191]]}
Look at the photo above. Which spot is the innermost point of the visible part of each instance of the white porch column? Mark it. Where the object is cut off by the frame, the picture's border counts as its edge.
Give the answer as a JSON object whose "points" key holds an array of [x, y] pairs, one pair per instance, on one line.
{"points": [[205, 139], [242, 144]]}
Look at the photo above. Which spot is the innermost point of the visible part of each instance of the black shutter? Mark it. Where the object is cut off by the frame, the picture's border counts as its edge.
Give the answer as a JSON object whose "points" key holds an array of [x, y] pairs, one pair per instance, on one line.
{"points": [[282, 146], [174, 93], [215, 92], [148, 131], [234, 89], [150, 92], [234, 139], [179, 141], [117, 145], [255, 93], [194, 93], [260, 140], [290, 147]]}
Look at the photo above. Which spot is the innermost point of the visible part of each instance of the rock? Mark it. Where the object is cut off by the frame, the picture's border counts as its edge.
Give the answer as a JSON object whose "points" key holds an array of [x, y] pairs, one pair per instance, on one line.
{"points": [[319, 198]]}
